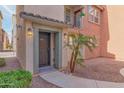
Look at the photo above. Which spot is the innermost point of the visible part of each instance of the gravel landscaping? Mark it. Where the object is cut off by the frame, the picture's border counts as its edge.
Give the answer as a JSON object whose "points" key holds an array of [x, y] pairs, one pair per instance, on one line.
{"points": [[37, 82], [101, 69]]}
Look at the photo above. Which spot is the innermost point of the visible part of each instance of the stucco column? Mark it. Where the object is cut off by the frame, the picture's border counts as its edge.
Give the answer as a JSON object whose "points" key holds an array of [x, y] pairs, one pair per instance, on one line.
{"points": [[29, 47], [104, 33], [58, 50], [36, 50], [52, 46]]}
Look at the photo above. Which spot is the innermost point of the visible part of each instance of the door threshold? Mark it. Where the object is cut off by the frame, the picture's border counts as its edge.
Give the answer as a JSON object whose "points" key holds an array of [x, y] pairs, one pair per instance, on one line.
{"points": [[47, 69]]}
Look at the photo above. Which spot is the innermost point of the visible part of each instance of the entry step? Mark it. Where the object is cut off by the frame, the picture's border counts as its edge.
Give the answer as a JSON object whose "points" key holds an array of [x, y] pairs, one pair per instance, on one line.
{"points": [[47, 69]]}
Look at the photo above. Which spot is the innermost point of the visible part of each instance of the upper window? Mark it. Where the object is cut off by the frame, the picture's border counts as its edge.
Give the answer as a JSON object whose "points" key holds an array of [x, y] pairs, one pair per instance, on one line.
{"points": [[77, 19], [94, 15], [73, 17], [68, 15]]}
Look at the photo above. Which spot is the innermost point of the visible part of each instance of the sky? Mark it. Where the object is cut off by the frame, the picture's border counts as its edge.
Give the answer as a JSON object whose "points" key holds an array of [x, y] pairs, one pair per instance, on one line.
{"points": [[7, 12]]}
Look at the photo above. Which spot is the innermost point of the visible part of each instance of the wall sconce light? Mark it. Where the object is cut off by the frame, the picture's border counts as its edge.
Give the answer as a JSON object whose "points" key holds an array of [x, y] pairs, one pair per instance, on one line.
{"points": [[65, 37], [30, 33]]}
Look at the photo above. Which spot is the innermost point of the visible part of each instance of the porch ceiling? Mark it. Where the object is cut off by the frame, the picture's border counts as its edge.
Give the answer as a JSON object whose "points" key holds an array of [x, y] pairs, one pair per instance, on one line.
{"points": [[43, 20]]}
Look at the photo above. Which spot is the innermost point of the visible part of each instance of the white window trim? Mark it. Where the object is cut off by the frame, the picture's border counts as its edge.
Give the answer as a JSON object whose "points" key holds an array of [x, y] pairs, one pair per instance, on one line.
{"points": [[94, 17], [65, 14]]}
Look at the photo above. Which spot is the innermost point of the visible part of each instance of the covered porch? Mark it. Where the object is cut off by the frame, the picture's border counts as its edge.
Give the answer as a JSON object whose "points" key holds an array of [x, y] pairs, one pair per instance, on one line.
{"points": [[44, 42]]}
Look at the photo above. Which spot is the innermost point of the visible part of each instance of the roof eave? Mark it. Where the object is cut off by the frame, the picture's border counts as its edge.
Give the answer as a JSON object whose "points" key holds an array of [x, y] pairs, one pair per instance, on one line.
{"points": [[44, 22]]}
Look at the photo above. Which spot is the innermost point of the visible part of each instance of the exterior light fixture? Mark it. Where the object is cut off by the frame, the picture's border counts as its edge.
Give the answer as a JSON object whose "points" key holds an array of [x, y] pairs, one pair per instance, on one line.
{"points": [[30, 33], [65, 37]]}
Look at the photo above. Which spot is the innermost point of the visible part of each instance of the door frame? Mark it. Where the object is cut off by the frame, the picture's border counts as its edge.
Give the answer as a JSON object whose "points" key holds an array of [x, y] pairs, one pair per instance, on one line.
{"points": [[49, 55], [58, 56]]}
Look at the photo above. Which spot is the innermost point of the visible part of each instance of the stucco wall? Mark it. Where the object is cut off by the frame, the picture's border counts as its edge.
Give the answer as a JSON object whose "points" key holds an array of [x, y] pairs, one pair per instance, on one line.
{"points": [[66, 52], [99, 30], [21, 39], [116, 30], [29, 47], [101, 33], [50, 11], [91, 29]]}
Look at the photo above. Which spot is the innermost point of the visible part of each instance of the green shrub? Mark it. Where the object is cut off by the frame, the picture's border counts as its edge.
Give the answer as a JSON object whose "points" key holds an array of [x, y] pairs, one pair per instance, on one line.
{"points": [[15, 79], [2, 62]]}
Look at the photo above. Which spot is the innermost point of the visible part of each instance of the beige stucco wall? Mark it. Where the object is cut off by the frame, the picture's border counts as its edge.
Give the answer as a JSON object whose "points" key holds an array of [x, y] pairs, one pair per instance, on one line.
{"points": [[29, 47], [116, 30], [21, 39], [50, 11], [66, 52]]}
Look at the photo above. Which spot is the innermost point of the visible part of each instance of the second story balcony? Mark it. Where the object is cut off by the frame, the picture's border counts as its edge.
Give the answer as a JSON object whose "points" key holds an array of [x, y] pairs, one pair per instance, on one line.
{"points": [[72, 15]]}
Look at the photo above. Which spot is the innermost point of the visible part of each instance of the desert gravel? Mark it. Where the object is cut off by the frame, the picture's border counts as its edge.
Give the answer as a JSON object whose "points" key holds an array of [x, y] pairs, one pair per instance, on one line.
{"points": [[103, 69]]}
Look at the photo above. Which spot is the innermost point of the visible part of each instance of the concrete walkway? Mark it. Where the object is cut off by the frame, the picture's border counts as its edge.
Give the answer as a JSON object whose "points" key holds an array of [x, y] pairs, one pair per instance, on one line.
{"points": [[68, 81]]}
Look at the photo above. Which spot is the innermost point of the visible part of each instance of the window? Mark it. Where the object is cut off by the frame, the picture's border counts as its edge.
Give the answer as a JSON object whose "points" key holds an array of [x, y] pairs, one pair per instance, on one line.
{"points": [[94, 15], [78, 19], [73, 17], [67, 15]]}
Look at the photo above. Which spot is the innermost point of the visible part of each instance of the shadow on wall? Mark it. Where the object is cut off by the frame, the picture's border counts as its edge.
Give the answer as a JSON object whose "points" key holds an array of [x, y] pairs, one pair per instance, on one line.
{"points": [[105, 36]]}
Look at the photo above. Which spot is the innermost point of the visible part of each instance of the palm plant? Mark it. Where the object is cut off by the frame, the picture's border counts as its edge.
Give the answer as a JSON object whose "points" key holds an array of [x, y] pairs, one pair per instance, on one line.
{"points": [[79, 41]]}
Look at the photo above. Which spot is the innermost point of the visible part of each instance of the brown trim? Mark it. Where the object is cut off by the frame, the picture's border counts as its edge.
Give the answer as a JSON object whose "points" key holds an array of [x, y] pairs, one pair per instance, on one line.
{"points": [[99, 7], [49, 49], [78, 10]]}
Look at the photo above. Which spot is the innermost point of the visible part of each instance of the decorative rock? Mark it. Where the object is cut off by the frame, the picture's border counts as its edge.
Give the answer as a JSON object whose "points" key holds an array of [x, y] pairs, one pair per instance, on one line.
{"points": [[122, 72]]}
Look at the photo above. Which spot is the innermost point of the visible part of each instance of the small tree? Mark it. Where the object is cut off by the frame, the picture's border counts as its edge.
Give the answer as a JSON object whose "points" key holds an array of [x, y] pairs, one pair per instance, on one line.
{"points": [[78, 41]]}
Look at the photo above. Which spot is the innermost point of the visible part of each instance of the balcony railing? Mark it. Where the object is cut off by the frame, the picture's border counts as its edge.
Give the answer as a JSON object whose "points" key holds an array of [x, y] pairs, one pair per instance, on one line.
{"points": [[74, 23]]}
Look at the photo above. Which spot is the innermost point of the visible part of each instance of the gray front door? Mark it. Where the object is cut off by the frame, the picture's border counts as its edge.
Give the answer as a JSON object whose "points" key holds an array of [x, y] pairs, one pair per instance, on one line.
{"points": [[44, 49]]}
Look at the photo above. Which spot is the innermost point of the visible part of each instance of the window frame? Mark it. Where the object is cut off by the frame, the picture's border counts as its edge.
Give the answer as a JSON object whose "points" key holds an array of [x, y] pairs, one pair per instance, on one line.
{"points": [[76, 12], [67, 14], [72, 20], [95, 14]]}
